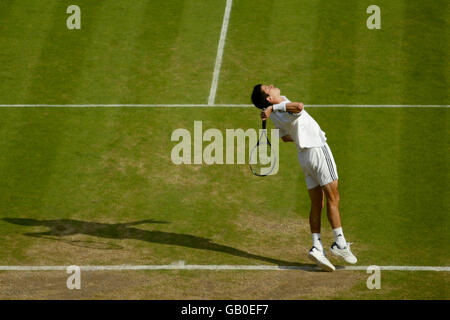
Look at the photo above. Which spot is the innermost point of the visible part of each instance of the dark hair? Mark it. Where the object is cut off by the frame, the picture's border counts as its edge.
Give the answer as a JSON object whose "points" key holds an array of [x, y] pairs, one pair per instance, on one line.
{"points": [[259, 97]]}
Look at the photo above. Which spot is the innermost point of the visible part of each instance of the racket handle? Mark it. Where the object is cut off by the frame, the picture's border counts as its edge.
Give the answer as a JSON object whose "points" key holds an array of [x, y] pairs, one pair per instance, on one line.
{"points": [[264, 124]]}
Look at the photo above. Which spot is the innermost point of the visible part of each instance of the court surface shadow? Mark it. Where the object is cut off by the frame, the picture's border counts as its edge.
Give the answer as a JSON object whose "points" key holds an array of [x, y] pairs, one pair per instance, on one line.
{"points": [[66, 227]]}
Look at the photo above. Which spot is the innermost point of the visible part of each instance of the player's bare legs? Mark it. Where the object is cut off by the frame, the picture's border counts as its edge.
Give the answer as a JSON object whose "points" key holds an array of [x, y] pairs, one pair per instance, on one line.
{"points": [[317, 203], [316, 253], [340, 247], [332, 194]]}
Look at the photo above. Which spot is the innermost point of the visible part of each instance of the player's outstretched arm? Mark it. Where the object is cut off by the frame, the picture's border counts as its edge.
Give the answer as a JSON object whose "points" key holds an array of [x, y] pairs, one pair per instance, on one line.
{"points": [[265, 113], [294, 107]]}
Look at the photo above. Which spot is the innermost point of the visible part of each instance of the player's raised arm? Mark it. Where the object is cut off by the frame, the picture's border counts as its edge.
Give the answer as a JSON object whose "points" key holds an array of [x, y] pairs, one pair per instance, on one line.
{"points": [[292, 107], [265, 113]]}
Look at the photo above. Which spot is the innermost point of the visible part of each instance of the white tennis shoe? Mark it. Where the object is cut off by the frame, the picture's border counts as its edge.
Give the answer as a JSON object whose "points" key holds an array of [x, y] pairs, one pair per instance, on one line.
{"points": [[319, 257], [345, 253]]}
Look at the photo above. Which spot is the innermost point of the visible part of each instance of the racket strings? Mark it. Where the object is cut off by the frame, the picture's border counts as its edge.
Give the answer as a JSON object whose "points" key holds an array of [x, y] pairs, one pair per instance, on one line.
{"points": [[262, 157], [262, 162]]}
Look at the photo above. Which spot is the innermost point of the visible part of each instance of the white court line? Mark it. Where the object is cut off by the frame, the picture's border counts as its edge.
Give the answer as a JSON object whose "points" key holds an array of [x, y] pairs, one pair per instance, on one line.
{"points": [[216, 267], [207, 106], [223, 36]]}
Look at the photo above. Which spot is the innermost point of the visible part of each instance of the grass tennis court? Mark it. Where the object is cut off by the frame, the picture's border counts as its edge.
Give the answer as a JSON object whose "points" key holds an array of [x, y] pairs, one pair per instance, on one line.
{"points": [[96, 186]]}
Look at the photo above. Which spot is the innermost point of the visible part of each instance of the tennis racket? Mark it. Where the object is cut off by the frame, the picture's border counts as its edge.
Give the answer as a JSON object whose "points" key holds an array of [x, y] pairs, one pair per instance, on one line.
{"points": [[259, 160]]}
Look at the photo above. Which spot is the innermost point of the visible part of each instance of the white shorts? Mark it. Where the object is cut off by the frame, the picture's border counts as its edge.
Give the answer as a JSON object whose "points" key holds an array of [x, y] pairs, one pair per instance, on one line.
{"points": [[318, 166]]}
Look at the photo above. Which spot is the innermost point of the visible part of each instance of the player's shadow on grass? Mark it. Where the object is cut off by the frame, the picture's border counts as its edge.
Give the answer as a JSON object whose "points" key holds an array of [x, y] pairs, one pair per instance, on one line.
{"points": [[66, 227]]}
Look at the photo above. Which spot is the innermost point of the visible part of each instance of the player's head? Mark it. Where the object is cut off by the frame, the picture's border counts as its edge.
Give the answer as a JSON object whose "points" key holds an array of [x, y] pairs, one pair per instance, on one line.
{"points": [[265, 95]]}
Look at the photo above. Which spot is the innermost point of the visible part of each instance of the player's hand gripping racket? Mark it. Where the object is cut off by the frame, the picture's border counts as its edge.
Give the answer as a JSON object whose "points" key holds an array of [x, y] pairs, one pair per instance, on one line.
{"points": [[259, 160]]}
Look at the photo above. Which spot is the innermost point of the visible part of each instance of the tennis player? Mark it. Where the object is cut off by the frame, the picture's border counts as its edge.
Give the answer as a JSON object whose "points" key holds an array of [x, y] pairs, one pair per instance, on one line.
{"points": [[317, 162]]}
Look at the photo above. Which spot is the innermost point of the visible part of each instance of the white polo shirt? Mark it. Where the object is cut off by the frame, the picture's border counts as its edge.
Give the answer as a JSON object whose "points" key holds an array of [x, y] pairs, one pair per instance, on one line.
{"points": [[302, 128]]}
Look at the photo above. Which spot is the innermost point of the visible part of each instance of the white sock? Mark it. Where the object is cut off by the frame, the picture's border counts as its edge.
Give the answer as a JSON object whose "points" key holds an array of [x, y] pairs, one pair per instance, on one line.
{"points": [[339, 237], [316, 241]]}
